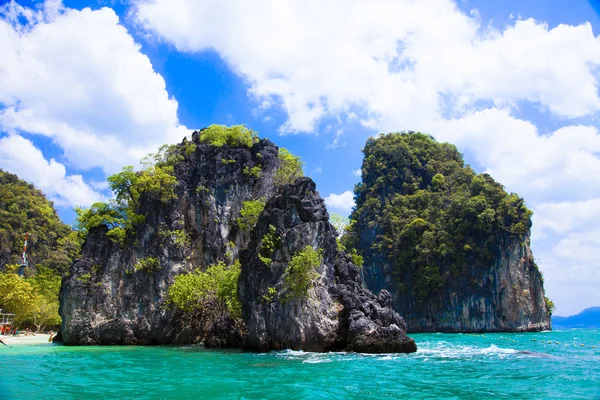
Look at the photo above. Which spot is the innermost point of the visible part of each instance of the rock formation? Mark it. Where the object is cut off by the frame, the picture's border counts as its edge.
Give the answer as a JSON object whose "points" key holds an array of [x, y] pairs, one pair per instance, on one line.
{"points": [[116, 292], [107, 300], [507, 296], [452, 246], [337, 313]]}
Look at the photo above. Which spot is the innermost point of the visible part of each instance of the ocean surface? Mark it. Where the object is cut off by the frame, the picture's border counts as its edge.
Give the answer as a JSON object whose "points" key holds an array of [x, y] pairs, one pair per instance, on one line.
{"points": [[546, 365]]}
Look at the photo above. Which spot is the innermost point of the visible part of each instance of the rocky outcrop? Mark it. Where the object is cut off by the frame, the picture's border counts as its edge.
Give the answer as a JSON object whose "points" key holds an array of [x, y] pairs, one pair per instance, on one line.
{"points": [[337, 313], [506, 295], [109, 299], [451, 245], [116, 293]]}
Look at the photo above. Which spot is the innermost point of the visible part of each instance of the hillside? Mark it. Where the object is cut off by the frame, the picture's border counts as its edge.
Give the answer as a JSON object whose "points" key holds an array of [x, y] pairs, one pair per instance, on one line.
{"points": [[23, 208], [52, 247], [450, 244], [588, 318]]}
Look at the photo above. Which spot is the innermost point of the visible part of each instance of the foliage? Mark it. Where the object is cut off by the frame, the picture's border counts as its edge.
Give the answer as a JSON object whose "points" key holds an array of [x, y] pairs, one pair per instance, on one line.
{"points": [[269, 243], [213, 292], [357, 259], [290, 168], [23, 209], [549, 305], [432, 216], [156, 180], [225, 161], [249, 214], [189, 148], [300, 273], [234, 136], [148, 264], [85, 278], [270, 295], [17, 296], [254, 171], [339, 222]]}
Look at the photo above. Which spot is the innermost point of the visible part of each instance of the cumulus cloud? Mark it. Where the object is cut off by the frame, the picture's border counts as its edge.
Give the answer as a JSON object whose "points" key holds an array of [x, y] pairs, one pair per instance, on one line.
{"points": [[22, 158], [343, 201], [79, 78], [428, 66]]}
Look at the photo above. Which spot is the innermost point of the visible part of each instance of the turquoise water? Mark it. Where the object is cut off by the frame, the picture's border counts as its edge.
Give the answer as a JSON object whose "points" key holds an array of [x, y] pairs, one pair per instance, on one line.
{"points": [[446, 366]]}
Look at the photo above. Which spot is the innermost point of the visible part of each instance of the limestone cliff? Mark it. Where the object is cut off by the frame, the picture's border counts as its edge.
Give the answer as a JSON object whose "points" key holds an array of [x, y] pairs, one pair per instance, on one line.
{"points": [[337, 313], [452, 246], [116, 292], [506, 296], [108, 299]]}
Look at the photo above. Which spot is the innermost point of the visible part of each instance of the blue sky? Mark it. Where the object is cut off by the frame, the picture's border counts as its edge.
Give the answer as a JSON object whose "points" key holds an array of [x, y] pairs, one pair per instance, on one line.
{"points": [[513, 84]]}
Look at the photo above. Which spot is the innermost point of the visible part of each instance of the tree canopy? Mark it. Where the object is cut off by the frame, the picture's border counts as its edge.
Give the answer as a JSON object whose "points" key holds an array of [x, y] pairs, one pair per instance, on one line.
{"points": [[432, 215], [234, 136], [23, 209]]}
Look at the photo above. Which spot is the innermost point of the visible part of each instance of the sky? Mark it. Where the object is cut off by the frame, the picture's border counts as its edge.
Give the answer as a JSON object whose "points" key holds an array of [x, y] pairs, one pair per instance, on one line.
{"points": [[87, 87]]}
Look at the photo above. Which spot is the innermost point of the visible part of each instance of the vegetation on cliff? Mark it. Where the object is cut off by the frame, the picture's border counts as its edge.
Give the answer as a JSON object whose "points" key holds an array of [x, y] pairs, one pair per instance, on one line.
{"points": [[430, 214], [52, 247], [207, 295]]}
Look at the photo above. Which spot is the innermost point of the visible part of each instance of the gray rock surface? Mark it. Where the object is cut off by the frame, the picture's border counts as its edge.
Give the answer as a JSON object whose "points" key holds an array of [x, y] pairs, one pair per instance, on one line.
{"points": [[338, 313], [505, 296], [106, 301]]}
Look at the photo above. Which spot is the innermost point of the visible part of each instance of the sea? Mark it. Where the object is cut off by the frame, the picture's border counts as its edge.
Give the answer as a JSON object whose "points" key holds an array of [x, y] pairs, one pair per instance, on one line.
{"points": [[545, 365]]}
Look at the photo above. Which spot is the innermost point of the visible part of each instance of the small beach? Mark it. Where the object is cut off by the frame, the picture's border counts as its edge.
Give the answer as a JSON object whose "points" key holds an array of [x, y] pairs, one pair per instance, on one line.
{"points": [[38, 338]]}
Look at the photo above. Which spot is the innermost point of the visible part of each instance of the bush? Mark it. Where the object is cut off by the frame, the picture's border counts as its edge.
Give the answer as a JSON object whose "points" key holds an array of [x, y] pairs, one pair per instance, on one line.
{"points": [[213, 292], [234, 136], [300, 273], [254, 171], [149, 264], [290, 168], [249, 214], [269, 243]]}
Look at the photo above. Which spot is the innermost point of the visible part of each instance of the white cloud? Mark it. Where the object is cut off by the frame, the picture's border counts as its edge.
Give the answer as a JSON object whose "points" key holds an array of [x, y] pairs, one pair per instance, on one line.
{"points": [[425, 65], [343, 201], [357, 173], [79, 78], [382, 57], [22, 158]]}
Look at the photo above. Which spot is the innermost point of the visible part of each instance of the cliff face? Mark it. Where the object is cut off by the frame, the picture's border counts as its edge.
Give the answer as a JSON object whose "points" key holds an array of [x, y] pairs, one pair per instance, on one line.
{"points": [[337, 312], [116, 293], [108, 299], [508, 295], [452, 246]]}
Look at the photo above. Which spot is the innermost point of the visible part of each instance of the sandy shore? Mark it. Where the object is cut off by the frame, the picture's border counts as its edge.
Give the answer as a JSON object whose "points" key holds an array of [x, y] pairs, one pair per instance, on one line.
{"points": [[39, 338]]}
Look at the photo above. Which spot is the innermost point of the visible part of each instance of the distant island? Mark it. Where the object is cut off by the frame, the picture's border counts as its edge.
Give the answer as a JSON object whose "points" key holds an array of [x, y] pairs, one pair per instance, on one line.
{"points": [[588, 318]]}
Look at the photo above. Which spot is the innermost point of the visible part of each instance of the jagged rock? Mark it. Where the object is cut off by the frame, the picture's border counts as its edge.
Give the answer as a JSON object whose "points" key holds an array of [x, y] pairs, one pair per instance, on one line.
{"points": [[224, 334], [338, 312], [109, 299], [105, 300]]}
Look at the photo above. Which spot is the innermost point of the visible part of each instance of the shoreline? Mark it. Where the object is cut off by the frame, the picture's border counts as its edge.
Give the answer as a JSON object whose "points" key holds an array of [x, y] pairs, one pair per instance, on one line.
{"points": [[39, 338]]}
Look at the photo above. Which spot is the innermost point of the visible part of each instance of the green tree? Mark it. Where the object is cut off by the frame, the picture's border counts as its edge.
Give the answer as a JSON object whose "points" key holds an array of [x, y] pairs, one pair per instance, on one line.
{"points": [[17, 296], [427, 213], [339, 222], [301, 272], [249, 214], [290, 168], [234, 136], [213, 292]]}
